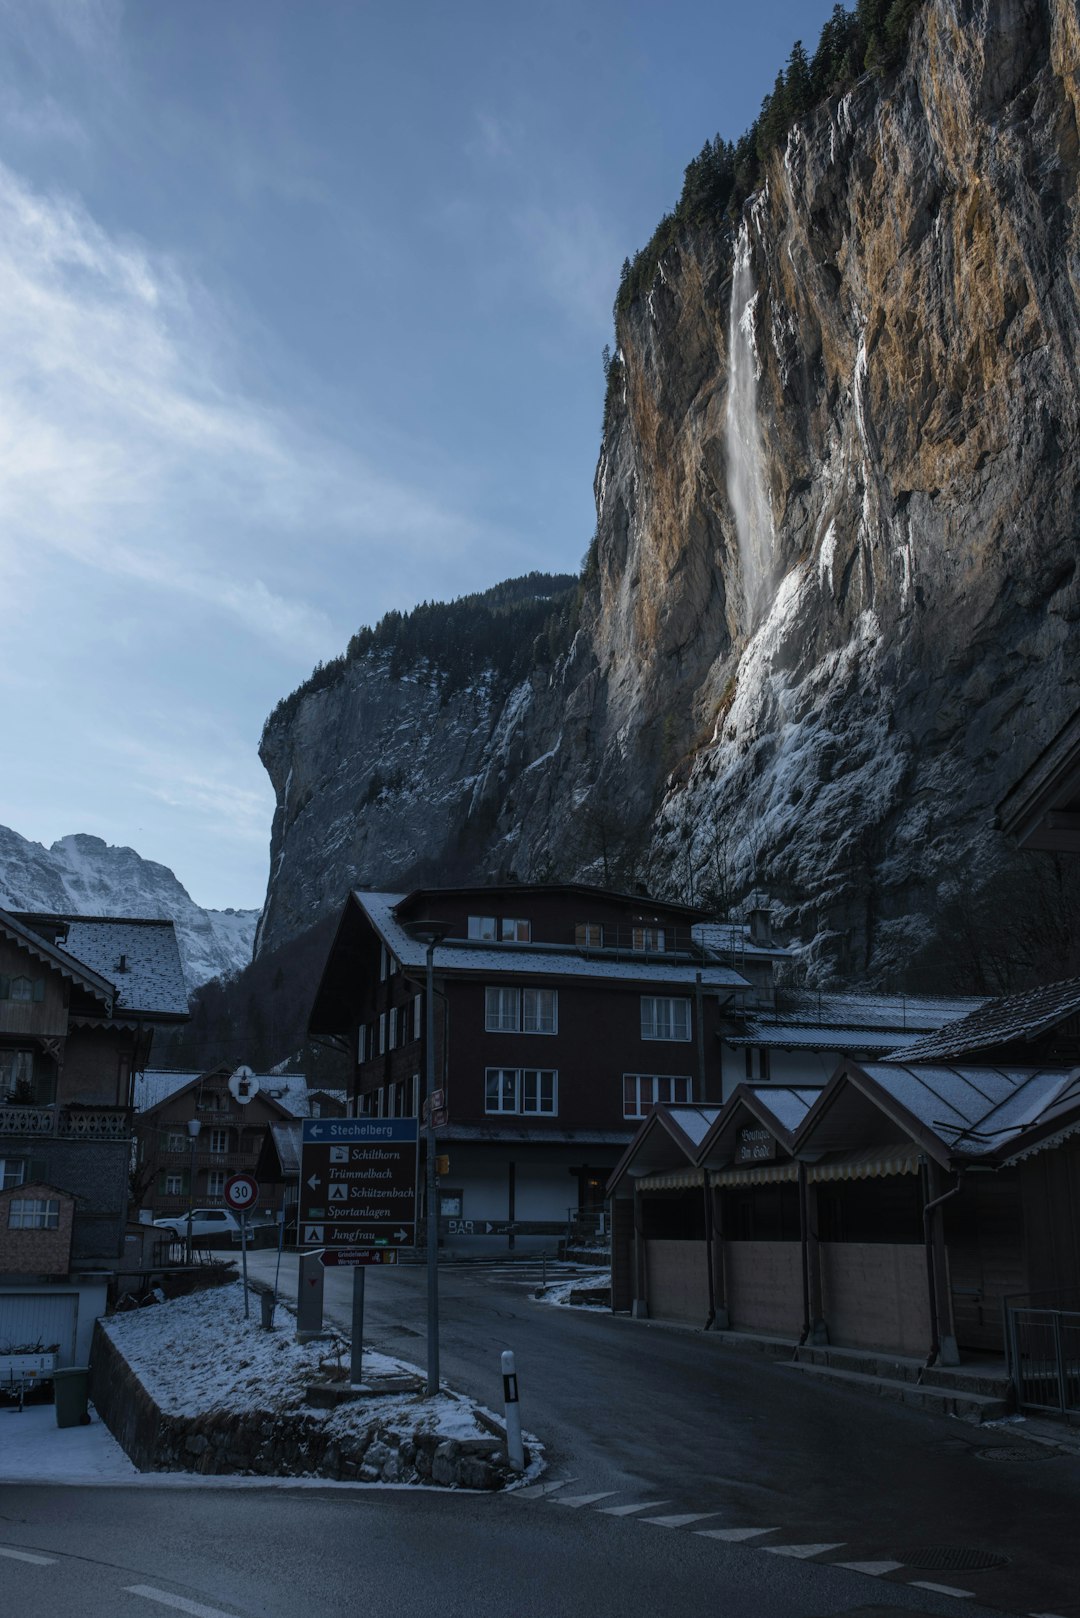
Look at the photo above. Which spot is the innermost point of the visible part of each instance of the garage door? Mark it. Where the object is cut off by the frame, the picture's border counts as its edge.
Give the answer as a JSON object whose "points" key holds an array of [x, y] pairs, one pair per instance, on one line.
{"points": [[31, 1318]]}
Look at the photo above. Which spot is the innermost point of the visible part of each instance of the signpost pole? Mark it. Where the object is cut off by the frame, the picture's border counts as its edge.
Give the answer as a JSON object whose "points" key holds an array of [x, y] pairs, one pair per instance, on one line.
{"points": [[432, 1207], [243, 1258], [357, 1325]]}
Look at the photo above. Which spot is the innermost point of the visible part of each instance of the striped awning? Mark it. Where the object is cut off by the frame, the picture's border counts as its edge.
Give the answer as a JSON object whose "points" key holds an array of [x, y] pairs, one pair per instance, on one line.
{"points": [[874, 1164], [755, 1174], [671, 1180]]}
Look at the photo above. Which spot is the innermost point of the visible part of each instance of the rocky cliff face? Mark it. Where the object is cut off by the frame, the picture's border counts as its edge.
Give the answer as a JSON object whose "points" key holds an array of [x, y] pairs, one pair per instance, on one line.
{"points": [[834, 605], [85, 876]]}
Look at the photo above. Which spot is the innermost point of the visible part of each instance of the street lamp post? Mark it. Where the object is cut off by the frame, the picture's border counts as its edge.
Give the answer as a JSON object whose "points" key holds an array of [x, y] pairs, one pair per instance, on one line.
{"points": [[430, 934], [193, 1131]]}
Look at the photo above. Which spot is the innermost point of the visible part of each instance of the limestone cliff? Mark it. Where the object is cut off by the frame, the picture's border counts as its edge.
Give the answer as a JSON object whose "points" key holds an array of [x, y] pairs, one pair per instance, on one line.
{"points": [[831, 611]]}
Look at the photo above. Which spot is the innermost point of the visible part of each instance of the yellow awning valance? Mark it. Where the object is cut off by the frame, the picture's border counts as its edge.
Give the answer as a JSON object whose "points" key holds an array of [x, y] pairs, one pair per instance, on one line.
{"points": [[758, 1174], [872, 1165], [672, 1180]]}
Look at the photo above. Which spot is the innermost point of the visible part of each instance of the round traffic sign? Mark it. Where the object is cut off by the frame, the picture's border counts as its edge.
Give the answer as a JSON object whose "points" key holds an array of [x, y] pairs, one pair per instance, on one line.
{"points": [[242, 1191]]}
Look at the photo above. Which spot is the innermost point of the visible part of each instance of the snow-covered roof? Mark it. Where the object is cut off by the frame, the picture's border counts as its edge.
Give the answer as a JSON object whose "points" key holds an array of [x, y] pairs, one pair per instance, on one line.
{"points": [[972, 1110], [797, 1037], [695, 1122], [289, 1090], [733, 938], [458, 955], [14, 926], [151, 981], [902, 1012], [788, 1103], [1009, 1020]]}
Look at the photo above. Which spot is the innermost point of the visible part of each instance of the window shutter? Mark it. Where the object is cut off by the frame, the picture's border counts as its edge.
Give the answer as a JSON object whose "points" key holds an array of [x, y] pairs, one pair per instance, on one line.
{"points": [[39, 989], [37, 1169], [5, 988]]}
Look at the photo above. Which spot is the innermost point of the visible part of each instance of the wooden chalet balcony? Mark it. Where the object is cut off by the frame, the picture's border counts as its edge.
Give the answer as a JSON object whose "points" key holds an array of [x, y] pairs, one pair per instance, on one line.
{"points": [[58, 1123]]}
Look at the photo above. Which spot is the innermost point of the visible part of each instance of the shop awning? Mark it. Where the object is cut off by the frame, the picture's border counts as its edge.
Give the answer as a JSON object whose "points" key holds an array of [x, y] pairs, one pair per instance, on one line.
{"points": [[874, 1164], [755, 1174], [672, 1180]]}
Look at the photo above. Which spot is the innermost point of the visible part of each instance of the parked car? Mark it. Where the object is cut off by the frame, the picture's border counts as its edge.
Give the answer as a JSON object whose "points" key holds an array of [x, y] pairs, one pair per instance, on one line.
{"points": [[204, 1222]]}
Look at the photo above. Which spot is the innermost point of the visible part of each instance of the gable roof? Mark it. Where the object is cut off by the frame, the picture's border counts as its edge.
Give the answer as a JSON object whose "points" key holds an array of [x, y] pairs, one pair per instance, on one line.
{"points": [[1011, 1019], [669, 1137], [41, 949], [151, 981], [779, 1108]]}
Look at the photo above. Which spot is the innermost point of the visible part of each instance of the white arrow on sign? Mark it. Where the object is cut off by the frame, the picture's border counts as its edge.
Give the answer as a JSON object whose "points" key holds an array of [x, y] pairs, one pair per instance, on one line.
{"points": [[316, 1132], [401, 1235], [314, 1182]]}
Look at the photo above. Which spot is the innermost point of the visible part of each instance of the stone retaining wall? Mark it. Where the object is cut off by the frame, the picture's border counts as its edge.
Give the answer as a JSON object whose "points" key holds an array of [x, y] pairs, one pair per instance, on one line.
{"points": [[276, 1444]]}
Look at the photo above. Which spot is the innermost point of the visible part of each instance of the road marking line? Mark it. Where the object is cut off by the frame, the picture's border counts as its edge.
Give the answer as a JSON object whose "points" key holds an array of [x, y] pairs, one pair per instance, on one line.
{"points": [[578, 1500], [939, 1589], [803, 1552], [681, 1519], [733, 1535], [876, 1570], [535, 1490], [181, 1603], [628, 1511], [28, 1556]]}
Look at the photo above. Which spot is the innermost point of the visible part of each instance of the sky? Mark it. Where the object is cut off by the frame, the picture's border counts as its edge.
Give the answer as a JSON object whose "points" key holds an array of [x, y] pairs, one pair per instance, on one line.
{"points": [[302, 308]]}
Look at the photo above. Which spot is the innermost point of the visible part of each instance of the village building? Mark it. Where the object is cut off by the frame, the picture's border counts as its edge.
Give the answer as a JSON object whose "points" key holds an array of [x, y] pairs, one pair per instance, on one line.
{"points": [[904, 1207], [1042, 810], [81, 999], [563, 1016], [799, 1036], [177, 1168]]}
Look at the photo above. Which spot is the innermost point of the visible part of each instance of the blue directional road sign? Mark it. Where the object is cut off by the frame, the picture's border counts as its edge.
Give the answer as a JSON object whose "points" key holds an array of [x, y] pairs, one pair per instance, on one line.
{"points": [[358, 1179]]}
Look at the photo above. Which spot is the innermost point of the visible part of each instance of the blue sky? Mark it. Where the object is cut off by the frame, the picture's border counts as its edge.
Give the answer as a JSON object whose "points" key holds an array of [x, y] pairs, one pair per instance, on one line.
{"points": [[301, 314]]}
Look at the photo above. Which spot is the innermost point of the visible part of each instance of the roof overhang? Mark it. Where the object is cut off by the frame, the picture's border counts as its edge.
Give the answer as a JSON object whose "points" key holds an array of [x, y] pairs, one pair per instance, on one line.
{"points": [[1042, 810]]}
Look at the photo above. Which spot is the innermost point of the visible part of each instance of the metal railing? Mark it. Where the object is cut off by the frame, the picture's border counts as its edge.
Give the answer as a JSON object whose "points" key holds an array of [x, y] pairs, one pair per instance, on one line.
{"points": [[85, 1123], [1043, 1351]]}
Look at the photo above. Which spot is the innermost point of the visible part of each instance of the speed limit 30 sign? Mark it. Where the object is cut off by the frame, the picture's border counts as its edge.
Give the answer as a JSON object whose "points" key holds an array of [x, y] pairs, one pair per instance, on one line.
{"points": [[241, 1192]]}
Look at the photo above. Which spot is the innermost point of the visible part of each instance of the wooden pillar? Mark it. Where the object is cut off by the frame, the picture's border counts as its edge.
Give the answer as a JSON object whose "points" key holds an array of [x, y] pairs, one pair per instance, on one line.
{"points": [[722, 1322], [640, 1305], [937, 1184], [819, 1330]]}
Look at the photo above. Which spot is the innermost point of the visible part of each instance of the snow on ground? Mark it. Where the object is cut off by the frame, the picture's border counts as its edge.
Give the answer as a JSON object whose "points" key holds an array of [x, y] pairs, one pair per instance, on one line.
{"points": [[558, 1292], [198, 1353], [33, 1449]]}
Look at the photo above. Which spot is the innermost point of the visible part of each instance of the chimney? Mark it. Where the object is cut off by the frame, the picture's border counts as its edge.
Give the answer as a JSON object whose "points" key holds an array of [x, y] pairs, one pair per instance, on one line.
{"points": [[761, 924], [121, 965]]}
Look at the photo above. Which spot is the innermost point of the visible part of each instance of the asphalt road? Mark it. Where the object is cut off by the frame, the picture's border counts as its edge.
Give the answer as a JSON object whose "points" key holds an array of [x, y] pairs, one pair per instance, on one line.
{"points": [[764, 1485], [639, 1411]]}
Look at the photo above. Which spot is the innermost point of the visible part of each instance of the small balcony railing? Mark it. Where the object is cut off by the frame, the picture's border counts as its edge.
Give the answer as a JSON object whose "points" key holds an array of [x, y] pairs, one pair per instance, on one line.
{"points": [[83, 1123]]}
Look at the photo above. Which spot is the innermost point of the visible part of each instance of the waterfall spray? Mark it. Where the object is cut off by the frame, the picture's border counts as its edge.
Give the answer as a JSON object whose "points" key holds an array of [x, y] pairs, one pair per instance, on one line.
{"points": [[745, 463]]}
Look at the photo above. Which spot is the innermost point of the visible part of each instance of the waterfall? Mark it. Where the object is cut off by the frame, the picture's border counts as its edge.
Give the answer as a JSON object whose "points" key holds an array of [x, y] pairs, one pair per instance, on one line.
{"points": [[745, 463]]}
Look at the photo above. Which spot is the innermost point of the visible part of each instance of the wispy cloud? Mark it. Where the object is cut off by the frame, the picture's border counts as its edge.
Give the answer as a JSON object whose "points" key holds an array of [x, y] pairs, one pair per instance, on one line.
{"points": [[123, 447], [573, 253]]}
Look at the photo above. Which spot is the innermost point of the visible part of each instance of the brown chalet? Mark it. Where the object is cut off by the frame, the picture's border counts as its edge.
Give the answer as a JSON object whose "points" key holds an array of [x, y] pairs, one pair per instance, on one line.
{"points": [[80, 1000], [563, 1015]]}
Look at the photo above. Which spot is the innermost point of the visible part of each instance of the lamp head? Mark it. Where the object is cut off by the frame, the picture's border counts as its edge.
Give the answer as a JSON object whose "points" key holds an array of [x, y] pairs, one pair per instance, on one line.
{"points": [[193, 1127]]}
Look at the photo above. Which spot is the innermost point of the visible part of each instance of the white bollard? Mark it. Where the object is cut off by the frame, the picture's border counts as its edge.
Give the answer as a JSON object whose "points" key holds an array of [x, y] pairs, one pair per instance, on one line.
{"points": [[515, 1451]]}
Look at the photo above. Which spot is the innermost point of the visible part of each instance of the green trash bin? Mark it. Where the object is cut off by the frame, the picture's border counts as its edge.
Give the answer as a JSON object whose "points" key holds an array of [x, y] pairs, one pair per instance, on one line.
{"points": [[72, 1387]]}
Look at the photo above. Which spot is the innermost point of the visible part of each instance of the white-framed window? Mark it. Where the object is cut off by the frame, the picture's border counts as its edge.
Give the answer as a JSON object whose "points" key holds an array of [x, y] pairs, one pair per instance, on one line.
{"points": [[589, 934], [515, 930], [215, 1183], [24, 988], [764, 1065], [34, 1213], [12, 1172], [174, 1185], [521, 1011], [483, 927], [648, 938], [219, 1140], [417, 1015], [209, 1101], [643, 1091], [521, 1090], [176, 1141], [663, 1017]]}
